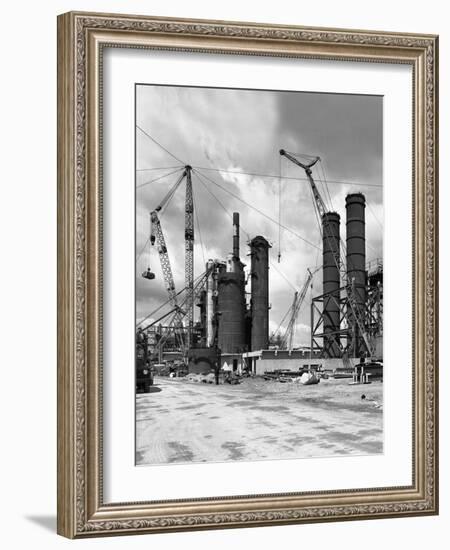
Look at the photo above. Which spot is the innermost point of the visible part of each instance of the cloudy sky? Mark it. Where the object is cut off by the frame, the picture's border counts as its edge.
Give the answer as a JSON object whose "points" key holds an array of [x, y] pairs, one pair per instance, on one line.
{"points": [[242, 131]]}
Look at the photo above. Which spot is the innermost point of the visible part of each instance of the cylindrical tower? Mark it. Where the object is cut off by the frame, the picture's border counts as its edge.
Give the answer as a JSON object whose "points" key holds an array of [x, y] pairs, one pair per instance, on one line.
{"points": [[201, 304], [231, 299], [210, 303], [231, 310], [331, 284], [356, 263], [259, 252]]}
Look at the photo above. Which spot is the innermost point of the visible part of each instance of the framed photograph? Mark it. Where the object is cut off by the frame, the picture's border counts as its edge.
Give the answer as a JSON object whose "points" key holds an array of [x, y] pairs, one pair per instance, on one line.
{"points": [[247, 237]]}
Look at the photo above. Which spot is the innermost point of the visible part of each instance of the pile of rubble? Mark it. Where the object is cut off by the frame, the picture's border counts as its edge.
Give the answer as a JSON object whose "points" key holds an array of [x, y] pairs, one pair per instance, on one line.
{"points": [[201, 378], [210, 378]]}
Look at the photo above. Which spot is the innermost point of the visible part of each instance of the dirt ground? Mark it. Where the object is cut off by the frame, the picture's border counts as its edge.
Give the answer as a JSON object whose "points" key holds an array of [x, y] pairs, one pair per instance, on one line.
{"points": [[180, 421]]}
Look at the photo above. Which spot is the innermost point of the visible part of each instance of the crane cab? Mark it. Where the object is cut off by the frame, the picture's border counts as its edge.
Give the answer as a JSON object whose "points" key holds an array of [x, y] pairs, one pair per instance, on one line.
{"points": [[148, 274]]}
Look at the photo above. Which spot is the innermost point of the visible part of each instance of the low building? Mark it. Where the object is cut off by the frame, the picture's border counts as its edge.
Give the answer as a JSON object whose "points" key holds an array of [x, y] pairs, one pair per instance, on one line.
{"points": [[232, 362], [258, 362]]}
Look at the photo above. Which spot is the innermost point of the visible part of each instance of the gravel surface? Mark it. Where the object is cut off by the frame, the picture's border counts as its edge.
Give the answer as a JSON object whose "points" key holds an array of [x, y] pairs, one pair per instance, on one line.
{"points": [[181, 421]]}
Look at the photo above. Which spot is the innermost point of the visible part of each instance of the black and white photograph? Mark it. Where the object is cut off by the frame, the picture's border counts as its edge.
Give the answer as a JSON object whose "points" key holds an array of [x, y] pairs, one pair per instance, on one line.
{"points": [[259, 275], [233, 232]]}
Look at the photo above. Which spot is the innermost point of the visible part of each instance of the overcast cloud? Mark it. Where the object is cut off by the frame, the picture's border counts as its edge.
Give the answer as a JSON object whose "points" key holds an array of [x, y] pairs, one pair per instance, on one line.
{"points": [[242, 131]]}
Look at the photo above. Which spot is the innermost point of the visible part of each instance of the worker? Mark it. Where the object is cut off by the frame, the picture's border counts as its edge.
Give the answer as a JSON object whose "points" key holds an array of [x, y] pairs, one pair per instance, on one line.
{"points": [[216, 372]]}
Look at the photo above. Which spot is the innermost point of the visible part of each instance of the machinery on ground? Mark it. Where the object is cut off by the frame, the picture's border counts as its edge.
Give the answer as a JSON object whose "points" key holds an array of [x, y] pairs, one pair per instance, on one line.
{"points": [[144, 374]]}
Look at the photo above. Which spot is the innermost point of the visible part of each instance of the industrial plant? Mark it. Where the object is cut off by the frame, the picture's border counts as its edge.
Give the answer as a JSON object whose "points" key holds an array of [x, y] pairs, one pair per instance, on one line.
{"points": [[259, 275], [219, 321]]}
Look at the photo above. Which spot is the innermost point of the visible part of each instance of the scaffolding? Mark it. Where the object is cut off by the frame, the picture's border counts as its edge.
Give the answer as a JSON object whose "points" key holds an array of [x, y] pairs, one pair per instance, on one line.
{"points": [[347, 339]]}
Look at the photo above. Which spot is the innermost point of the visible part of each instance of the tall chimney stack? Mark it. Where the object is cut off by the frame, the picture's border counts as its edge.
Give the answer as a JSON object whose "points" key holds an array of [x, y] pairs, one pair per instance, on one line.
{"points": [[355, 204], [331, 284], [236, 252], [259, 252], [231, 300]]}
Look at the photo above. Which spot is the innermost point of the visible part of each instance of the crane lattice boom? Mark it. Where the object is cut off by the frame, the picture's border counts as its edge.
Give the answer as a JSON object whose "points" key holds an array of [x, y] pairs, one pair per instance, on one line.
{"points": [[322, 209], [189, 254], [157, 236], [288, 338]]}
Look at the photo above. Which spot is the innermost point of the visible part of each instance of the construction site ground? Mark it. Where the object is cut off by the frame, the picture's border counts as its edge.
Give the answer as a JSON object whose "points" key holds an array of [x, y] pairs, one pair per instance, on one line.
{"points": [[181, 421]]}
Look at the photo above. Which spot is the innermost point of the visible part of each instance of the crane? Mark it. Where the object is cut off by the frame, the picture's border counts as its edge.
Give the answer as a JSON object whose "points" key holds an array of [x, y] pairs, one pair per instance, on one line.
{"points": [[157, 236], [307, 168], [318, 202], [288, 338], [189, 253], [340, 262]]}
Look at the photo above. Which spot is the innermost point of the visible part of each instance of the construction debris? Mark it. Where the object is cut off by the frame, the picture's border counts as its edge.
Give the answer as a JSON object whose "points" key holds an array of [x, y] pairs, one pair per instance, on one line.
{"points": [[309, 378]]}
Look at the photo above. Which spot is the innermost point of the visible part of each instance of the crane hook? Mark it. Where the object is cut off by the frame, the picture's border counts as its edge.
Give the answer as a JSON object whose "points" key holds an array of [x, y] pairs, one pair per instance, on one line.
{"points": [[148, 274]]}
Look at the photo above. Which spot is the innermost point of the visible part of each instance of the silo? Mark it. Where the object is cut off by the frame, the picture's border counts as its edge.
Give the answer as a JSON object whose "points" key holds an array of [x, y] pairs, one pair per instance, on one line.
{"points": [[356, 262], [259, 253], [331, 284]]}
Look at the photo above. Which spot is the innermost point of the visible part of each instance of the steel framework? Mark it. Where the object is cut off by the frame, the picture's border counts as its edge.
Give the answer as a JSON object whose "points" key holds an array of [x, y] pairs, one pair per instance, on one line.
{"points": [[189, 255], [346, 339]]}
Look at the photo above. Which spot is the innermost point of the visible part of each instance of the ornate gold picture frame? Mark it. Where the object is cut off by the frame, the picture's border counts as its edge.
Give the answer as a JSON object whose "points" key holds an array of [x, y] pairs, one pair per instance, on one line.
{"points": [[82, 39]]}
